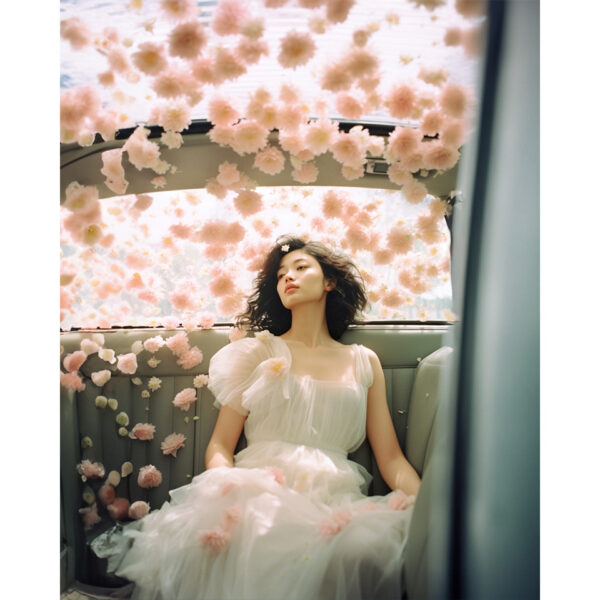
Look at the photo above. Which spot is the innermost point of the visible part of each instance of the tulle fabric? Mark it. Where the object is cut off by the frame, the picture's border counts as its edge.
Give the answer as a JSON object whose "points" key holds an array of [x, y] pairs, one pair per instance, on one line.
{"points": [[291, 519]]}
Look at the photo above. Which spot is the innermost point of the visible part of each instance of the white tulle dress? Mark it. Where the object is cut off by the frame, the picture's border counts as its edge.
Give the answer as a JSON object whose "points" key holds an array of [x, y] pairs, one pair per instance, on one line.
{"points": [[291, 520]]}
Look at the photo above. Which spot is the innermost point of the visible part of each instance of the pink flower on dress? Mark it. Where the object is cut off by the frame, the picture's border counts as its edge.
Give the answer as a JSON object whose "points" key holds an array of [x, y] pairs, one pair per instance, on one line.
{"points": [[184, 399], [149, 477], [127, 363], [278, 475], [72, 381], [89, 516], [101, 377], [296, 49], [91, 470], [142, 431], [227, 487], [398, 500], [138, 509], [73, 361], [217, 539], [339, 519], [172, 443], [190, 358], [275, 368], [187, 39], [236, 333]]}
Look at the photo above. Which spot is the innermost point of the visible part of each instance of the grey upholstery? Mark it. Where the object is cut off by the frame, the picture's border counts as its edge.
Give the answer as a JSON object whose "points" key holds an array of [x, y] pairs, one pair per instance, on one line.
{"points": [[400, 349]]}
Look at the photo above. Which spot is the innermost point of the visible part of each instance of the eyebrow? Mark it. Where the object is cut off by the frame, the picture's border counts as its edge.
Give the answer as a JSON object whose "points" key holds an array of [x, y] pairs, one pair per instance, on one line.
{"points": [[293, 262]]}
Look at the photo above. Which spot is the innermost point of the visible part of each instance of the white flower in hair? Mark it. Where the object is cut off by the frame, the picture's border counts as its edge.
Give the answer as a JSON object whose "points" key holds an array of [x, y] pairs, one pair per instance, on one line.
{"points": [[285, 248]]}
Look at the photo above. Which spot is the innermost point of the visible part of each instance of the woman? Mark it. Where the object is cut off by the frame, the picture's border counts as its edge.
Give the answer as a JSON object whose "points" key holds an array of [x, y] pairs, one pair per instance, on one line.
{"points": [[291, 520]]}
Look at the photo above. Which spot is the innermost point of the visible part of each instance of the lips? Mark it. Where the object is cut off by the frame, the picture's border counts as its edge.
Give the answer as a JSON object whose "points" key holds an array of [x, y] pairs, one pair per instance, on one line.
{"points": [[290, 287]]}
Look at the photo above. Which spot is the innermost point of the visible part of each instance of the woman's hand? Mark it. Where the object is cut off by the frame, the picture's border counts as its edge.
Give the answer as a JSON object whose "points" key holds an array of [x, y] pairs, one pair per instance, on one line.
{"points": [[397, 472], [220, 449]]}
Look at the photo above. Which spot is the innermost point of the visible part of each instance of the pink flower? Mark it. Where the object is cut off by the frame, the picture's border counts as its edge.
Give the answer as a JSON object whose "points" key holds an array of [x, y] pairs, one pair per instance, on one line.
{"points": [[142, 202], [249, 137], [414, 192], [361, 63], [319, 135], [178, 343], [403, 141], [91, 470], [191, 358], [127, 363], [305, 172], [232, 516], [213, 232], [357, 237], [250, 51], [400, 240], [291, 116], [138, 509], [432, 122], [454, 100], [296, 49], [182, 298], [348, 105], [227, 65], [333, 204], [81, 199], [206, 321], [440, 157], [154, 344], [174, 115], [173, 81], [142, 153], [88, 347], [221, 113], [401, 101], [228, 17], [453, 134], [101, 377], [292, 142], [237, 333], [76, 32], [337, 10], [150, 58], [347, 150], [228, 175], [275, 368], [221, 284], [398, 500], [452, 37], [339, 519], [179, 10], [269, 160], [336, 77], [187, 39], [398, 174], [89, 516], [142, 431], [172, 443], [171, 139], [217, 539], [277, 474], [352, 173], [185, 398], [106, 494], [73, 361], [148, 296], [113, 170], [149, 476]]}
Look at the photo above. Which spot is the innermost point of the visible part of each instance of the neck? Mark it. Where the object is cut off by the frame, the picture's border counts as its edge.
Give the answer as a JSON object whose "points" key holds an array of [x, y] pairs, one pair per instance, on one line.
{"points": [[309, 325]]}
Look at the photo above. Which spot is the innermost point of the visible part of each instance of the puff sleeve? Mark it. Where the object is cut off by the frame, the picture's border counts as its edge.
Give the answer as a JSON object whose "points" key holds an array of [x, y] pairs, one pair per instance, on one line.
{"points": [[232, 371]]}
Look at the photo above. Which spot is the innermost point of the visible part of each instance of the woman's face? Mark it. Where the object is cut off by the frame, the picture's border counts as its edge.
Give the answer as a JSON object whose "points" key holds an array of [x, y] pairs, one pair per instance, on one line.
{"points": [[300, 279]]}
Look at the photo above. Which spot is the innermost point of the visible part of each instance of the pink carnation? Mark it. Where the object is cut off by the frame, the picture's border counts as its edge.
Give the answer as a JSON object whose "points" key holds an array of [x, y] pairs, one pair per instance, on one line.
{"points": [[213, 232], [81, 199], [305, 173], [333, 204], [187, 39], [172, 443], [185, 398], [292, 142], [149, 477], [150, 58], [228, 17], [154, 344], [142, 431], [453, 134], [73, 361], [249, 137], [178, 343], [89, 516], [414, 192], [174, 115], [138, 509], [191, 358], [269, 160], [227, 65], [402, 142], [319, 135], [106, 494], [221, 113], [173, 81], [432, 122], [350, 173], [72, 381], [296, 49], [206, 321], [291, 116], [182, 298], [347, 150], [91, 470], [216, 539], [401, 102], [228, 175], [454, 100], [148, 296], [440, 157], [76, 32], [127, 363], [383, 256], [361, 63]]}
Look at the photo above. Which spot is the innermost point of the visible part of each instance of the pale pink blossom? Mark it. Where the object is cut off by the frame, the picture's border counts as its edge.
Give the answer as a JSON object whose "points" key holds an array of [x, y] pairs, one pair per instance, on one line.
{"points": [[154, 344], [415, 161], [361, 63], [229, 305], [203, 70], [172, 443], [296, 49], [187, 39], [249, 137], [333, 204], [250, 51], [118, 61], [184, 399], [237, 333], [349, 105], [357, 237], [107, 355], [88, 347], [173, 81], [215, 232], [217, 539], [319, 135], [433, 76], [375, 145], [138, 509], [106, 124], [402, 142], [228, 17], [200, 381], [221, 113], [178, 343], [400, 239], [361, 36], [453, 134], [398, 174], [182, 297], [179, 10], [248, 202], [127, 363], [275, 368], [336, 77], [158, 182], [305, 172], [149, 477], [292, 142], [148, 296], [89, 516], [383, 256], [228, 175], [432, 122], [76, 32], [107, 79], [414, 191], [91, 470], [81, 199], [142, 431], [106, 494], [454, 100], [150, 58], [222, 135], [206, 321], [221, 284], [337, 10], [392, 299], [278, 474], [227, 65], [347, 150], [190, 358], [350, 172], [291, 115], [73, 361], [452, 37], [401, 101], [440, 157], [113, 170], [174, 115], [339, 519], [142, 202], [100, 378], [398, 500], [171, 139], [269, 160], [142, 153], [75, 106]]}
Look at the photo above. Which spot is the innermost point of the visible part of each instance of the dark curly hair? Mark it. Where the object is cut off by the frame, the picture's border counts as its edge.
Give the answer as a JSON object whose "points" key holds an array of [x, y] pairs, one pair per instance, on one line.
{"points": [[344, 303]]}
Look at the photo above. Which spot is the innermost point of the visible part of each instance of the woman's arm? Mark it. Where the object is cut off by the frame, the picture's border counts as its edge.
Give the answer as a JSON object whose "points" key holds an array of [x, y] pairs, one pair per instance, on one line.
{"points": [[397, 472], [220, 449]]}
